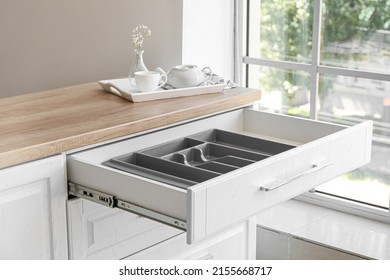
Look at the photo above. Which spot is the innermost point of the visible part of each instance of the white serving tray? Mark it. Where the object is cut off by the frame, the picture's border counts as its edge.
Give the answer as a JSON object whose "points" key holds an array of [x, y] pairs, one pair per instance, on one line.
{"points": [[121, 87]]}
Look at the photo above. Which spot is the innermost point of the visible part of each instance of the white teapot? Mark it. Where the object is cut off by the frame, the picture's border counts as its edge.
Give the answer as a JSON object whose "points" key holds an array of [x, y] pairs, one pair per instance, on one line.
{"points": [[187, 75]]}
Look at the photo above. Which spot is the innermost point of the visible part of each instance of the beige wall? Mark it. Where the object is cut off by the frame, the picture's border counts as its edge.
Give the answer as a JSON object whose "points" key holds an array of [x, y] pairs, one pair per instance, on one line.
{"points": [[46, 44]]}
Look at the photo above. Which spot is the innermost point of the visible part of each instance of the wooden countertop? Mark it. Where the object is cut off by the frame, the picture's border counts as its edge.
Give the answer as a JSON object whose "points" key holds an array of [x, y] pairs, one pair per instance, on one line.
{"points": [[46, 123]]}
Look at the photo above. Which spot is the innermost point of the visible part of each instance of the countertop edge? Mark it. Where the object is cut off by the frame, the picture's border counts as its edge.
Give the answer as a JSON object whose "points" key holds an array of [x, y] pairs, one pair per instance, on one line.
{"points": [[51, 148]]}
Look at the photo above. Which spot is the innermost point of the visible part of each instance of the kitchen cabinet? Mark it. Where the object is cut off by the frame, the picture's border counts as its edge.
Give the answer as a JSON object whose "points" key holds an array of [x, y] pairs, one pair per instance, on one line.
{"points": [[285, 156], [136, 194], [33, 210], [40, 125]]}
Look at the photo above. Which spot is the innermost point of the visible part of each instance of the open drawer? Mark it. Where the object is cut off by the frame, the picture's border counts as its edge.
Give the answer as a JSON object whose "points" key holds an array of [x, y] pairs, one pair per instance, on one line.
{"points": [[206, 175]]}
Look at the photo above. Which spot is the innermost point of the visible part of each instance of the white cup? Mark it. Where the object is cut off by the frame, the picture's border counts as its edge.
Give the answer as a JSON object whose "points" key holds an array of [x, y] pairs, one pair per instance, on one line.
{"points": [[149, 80]]}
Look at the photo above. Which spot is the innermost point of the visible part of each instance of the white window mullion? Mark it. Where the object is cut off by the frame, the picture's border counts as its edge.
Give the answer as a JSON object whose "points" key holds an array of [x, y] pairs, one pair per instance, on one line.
{"points": [[253, 9], [353, 73], [288, 65], [315, 61]]}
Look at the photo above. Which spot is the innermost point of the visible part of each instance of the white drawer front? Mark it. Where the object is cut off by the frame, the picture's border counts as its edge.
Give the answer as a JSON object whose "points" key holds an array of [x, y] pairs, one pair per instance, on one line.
{"points": [[215, 205], [322, 152]]}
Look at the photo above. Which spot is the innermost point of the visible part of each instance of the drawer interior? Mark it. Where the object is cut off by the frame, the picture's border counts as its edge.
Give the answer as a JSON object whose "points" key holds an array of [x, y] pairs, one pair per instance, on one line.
{"points": [[196, 158]]}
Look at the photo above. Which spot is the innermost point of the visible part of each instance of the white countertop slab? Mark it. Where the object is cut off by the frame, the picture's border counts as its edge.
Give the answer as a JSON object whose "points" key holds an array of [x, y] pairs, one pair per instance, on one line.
{"points": [[331, 228]]}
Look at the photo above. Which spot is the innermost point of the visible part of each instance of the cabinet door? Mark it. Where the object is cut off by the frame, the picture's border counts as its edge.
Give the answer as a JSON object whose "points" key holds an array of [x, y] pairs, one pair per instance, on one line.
{"points": [[33, 210], [98, 232]]}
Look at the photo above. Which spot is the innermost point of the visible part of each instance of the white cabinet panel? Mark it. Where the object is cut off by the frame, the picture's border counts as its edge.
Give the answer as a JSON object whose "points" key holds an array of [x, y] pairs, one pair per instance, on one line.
{"points": [[302, 154], [98, 232], [33, 209], [237, 243]]}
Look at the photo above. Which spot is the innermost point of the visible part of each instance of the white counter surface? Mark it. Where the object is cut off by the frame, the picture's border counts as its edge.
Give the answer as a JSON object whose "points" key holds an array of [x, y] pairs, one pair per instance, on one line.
{"points": [[330, 228]]}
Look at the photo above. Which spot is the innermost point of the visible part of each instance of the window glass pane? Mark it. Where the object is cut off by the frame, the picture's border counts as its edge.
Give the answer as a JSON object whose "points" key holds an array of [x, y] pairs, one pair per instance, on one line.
{"points": [[283, 91], [356, 34], [348, 101], [281, 29]]}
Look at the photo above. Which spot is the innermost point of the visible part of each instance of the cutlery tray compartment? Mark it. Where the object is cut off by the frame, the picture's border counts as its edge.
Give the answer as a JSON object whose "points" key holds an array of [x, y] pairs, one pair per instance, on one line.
{"points": [[196, 158]]}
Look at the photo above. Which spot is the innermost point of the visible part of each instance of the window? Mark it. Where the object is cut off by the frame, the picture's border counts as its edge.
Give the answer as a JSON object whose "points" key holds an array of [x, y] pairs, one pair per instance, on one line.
{"points": [[327, 60]]}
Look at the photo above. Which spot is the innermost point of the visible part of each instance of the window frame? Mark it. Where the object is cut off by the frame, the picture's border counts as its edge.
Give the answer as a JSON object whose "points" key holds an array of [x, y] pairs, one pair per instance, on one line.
{"points": [[314, 69]]}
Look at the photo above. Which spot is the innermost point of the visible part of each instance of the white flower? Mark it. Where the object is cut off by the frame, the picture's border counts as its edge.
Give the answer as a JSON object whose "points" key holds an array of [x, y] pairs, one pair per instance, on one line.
{"points": [[139, 34]]}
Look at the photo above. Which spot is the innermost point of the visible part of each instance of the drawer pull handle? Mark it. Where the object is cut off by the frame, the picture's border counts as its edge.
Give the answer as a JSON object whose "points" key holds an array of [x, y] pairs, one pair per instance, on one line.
{"points": [[316, 167]]}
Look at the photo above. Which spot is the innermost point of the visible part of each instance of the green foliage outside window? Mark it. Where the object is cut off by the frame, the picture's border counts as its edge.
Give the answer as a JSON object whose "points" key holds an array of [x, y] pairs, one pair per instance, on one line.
{"points": [[286, 29]]}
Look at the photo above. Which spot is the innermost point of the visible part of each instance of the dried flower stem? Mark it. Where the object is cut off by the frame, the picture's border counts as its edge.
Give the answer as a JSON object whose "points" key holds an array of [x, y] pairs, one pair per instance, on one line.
{"points": [[139, 34]]}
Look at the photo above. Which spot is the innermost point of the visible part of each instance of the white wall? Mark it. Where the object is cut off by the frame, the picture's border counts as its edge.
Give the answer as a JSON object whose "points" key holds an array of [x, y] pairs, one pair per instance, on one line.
{"points": [[208, 35], [46, 44]]}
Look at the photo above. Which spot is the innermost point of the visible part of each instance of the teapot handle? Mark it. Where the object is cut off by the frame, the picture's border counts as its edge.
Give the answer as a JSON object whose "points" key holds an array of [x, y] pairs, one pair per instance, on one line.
{"points": [[208, 73]]}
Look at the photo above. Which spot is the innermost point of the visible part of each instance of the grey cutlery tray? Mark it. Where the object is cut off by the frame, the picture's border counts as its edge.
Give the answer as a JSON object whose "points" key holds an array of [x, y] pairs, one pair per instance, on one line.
{"points": [[197, 158]]}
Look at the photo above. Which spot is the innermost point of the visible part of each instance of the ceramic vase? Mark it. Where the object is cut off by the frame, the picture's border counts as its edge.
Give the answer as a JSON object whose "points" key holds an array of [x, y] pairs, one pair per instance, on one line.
{"points": [[138, 65]]}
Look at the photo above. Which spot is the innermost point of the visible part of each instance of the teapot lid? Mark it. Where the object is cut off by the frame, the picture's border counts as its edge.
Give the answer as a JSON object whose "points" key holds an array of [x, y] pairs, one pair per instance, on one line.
{"points": [[185, 67]]}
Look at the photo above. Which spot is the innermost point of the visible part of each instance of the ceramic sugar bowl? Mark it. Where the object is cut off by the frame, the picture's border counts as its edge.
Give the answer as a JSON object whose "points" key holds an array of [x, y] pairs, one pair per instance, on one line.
{"points": [[187, 75]]}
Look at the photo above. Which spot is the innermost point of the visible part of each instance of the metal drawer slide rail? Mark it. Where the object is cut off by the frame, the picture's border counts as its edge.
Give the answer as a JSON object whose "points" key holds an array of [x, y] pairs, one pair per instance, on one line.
{"points": [[113, 202]]}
